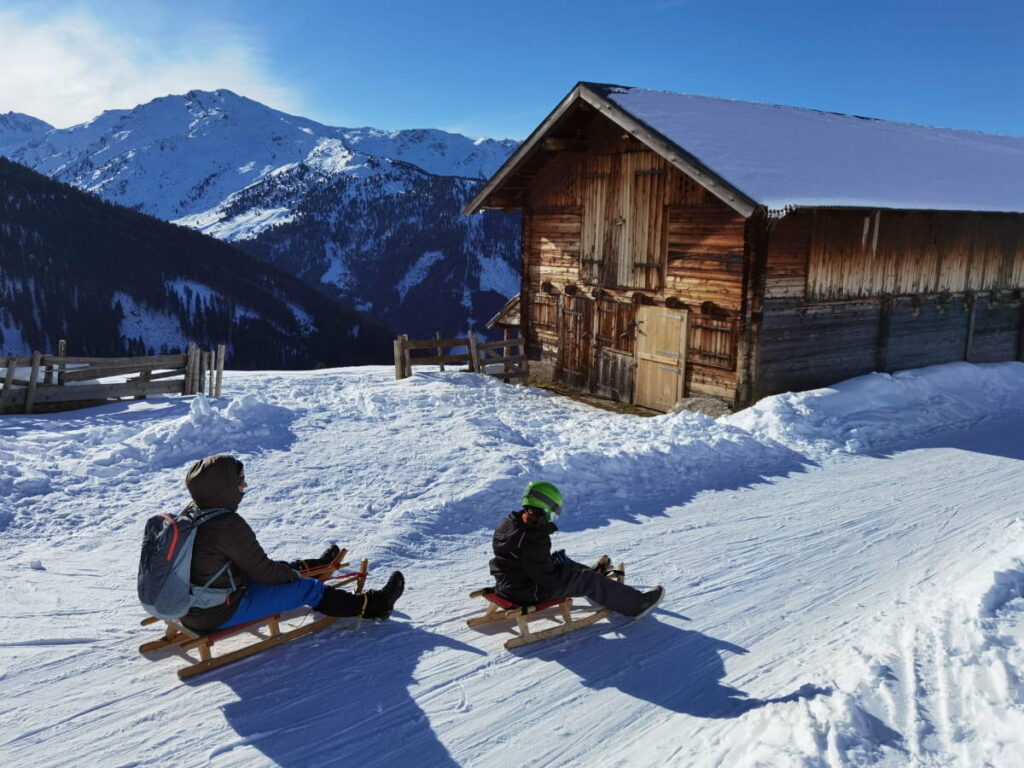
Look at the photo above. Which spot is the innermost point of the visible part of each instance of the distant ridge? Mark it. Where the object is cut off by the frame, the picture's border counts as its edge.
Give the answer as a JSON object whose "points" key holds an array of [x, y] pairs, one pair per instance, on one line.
{"points": [[117, 282], [369, 216]]}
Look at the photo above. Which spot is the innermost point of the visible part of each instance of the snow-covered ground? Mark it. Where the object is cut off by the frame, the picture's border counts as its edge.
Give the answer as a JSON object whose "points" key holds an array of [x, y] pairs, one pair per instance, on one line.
{"points": [[844, 573]]}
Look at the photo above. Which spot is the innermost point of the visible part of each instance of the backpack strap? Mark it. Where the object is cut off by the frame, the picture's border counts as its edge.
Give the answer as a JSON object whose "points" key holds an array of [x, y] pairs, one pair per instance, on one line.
{"points": [[200, 516], [231, 577]]}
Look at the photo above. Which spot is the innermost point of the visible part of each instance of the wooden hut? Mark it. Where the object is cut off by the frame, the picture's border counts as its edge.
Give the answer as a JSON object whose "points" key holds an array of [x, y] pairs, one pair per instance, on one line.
{"points": [[677, 246]]}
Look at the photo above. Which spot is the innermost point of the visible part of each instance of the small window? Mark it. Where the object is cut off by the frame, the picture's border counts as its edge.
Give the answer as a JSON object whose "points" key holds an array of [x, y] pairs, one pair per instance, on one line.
{"points": [[615, 325], [712, 341], [544, 313]]}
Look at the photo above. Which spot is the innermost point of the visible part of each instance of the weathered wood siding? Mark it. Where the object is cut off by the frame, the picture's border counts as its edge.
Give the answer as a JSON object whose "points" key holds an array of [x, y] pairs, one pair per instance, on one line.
{"points": [[619, 220], [850, 292], [859, 254]]}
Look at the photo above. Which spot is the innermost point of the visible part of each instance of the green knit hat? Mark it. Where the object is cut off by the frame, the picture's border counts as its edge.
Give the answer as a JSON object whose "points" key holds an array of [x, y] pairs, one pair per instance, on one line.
{"points": [[544, 496]]}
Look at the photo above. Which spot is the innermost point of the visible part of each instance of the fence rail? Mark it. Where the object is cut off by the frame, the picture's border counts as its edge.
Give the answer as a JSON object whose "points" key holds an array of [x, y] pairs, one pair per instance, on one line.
{"points": [[494, 358], [31, 383]]}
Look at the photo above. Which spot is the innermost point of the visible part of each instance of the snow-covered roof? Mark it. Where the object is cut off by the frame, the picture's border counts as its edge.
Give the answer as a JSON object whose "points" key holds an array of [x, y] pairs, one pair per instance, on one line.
{"points": [[785, 157]]}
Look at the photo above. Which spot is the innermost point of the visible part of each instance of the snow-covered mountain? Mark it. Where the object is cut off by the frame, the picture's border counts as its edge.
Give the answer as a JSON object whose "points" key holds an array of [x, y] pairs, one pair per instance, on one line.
{"points": [[114, 282], [17, 129], [236, 169]]}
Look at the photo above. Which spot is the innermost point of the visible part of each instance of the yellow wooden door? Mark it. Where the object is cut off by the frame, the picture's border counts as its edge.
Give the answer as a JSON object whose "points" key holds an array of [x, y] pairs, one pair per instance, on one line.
{"points": [[660, 357]]}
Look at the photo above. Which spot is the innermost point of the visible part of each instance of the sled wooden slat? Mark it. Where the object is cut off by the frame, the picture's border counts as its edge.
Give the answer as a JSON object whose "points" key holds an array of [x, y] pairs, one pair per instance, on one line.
{"points": [[180, 637], [207, 662], [522, 615], [527, 637]]}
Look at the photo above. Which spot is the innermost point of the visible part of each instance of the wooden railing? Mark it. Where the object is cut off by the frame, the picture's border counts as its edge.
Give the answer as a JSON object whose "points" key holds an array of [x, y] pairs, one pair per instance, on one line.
{"points": [[493, 357], [57, 382], [496, 358]]}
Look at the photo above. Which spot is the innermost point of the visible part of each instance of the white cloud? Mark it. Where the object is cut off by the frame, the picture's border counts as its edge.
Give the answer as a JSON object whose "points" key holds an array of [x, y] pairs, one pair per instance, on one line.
{"points": [[69, 68]]}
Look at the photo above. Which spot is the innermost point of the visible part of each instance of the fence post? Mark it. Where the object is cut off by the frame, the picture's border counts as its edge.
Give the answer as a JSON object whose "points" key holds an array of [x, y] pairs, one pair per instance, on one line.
{"points": [[406, 357], [30, 396], [62, 351], [211, 361], [399, 357], [8, 379], [437, 335], [221, 349], [190, 362], [204, 366], [143, 378], [474, 353]]}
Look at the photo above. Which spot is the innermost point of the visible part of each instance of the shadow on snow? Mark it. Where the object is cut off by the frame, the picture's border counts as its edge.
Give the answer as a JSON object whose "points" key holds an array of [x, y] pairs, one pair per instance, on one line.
{"points": [[683, 675], [338, 696]]}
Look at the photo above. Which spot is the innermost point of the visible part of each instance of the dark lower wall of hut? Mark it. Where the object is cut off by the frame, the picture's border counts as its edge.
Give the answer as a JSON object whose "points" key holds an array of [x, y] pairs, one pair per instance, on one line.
{"points": [[804, 346]]}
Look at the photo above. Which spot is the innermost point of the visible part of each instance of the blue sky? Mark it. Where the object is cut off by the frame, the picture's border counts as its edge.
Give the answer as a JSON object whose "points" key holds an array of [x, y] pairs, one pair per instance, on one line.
{"points": [[496, 69]]}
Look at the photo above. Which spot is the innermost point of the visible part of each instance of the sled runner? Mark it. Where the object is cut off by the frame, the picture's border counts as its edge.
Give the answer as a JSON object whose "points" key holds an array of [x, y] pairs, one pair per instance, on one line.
{"points": [[178, 636], [500, 609]]}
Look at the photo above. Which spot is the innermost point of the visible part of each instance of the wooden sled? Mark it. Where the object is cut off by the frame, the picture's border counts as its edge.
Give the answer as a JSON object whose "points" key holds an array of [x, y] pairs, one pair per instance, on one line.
{"points": [[500, 609], [178, 636]]}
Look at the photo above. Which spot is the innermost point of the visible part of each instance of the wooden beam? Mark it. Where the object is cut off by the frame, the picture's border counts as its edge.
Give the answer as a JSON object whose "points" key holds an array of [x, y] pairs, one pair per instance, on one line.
{"points": [[158, 361], [552, 144], [221, 351], [8, 378], [30, 397], [70, 394], [675, 154], [525, 150]]}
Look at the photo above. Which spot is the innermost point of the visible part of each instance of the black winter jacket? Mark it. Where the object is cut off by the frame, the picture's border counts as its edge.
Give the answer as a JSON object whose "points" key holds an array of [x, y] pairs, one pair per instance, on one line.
{"points": [[522, 567]]}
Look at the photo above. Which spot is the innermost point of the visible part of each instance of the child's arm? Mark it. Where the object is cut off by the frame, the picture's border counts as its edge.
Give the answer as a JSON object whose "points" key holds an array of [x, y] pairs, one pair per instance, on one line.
{"points": [[538, 564]]}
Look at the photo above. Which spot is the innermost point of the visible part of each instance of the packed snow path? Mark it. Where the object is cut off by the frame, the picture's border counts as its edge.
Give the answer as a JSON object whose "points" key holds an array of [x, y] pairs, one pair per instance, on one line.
{"points": [[844, 575]]}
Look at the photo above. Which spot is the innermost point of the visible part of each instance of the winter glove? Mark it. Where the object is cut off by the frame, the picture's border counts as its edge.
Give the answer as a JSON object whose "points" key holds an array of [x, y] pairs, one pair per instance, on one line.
{"points": [[559, 557]]}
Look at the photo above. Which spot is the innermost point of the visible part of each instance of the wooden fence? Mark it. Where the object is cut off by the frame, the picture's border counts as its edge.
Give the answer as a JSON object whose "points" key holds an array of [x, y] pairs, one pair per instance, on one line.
{"points": [[58, 382], [494, 358]]}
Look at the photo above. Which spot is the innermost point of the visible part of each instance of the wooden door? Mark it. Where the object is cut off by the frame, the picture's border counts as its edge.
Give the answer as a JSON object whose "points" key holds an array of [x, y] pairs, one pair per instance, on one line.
{"points": [[574, 341], [660, 357], [646, 221], [599, 233]]}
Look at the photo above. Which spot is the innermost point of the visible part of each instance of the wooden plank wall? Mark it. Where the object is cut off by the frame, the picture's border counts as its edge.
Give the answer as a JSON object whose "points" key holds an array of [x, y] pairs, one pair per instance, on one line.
{"points": [[621, 218], [859, 254], [934, 288]]}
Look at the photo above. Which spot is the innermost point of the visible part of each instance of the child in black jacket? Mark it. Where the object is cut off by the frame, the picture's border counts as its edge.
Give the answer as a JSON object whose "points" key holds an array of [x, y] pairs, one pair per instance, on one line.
{"points": [[526, 571]]}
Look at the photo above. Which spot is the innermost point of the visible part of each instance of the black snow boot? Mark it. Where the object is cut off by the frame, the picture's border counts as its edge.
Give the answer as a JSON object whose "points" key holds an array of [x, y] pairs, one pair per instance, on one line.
{"points": [[379, 602], [338, 602], [315, 562], [650, 601]]}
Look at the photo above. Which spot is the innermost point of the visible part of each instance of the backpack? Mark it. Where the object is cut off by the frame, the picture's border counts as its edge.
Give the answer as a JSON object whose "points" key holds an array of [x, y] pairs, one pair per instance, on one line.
{"points": [[165, 565]]}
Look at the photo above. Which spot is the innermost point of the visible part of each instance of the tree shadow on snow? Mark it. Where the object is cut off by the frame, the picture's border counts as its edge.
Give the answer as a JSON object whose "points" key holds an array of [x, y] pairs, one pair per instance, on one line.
{"points": [[337, 697], [683, 674]]}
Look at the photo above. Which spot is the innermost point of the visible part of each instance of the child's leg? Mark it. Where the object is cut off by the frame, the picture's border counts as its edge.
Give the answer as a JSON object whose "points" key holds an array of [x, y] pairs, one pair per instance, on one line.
{"points": [[582, 581], [262, 600]]}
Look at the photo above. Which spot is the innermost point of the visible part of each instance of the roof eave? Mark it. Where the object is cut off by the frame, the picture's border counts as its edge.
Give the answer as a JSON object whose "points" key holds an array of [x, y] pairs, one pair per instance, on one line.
{"points": [[673, 153], [668, 149], [477, 203]]}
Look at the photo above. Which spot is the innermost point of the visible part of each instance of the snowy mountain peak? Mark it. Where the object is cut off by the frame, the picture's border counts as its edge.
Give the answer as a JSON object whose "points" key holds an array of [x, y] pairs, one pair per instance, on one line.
{"points": [[17, 129], [181, 155], [351, 209]]}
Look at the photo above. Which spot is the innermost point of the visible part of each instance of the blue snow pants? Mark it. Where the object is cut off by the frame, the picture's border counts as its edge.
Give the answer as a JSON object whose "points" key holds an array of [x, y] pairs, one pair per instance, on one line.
{"points": [[262, 600]]}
